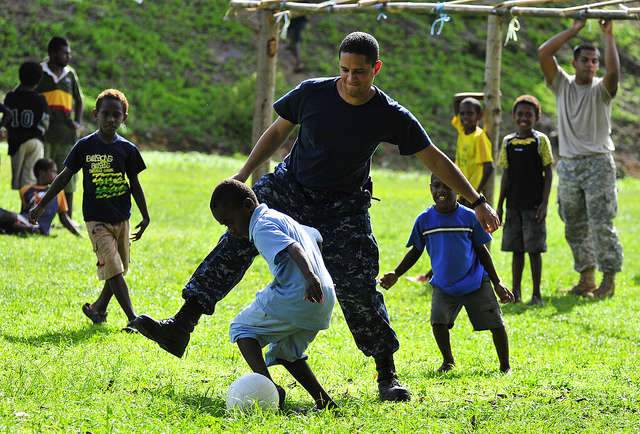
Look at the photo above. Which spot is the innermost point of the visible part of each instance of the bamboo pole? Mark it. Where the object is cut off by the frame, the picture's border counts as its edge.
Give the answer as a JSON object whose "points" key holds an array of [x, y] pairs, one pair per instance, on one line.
{"points": [[464, 9], [265, 82], [492, 99], [597, 5]]}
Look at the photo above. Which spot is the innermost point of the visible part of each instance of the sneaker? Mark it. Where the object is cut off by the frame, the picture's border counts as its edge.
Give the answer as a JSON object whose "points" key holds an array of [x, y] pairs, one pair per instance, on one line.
{"points": [[392, 390], [95, 316], [168, 333]]}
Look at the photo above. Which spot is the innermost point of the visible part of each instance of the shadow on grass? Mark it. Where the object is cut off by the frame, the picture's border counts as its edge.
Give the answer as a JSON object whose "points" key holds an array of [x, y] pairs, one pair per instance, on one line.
{"points": [[562, 303], [67, 337], [216, 406]]}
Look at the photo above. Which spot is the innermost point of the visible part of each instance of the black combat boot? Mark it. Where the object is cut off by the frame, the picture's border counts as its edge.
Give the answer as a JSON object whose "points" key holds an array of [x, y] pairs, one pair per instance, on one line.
{"points": [[171, 334], [389, 388]]}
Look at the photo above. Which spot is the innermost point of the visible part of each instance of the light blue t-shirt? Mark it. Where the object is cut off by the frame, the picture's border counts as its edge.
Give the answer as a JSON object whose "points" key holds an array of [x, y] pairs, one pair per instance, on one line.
{"points": [[450, 240], [272, 232]]}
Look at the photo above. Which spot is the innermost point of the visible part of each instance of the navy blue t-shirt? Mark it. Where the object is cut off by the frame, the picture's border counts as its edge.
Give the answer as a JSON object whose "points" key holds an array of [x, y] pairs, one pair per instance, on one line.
{"points": [[450, 240], [336, 139], [106, 196]]}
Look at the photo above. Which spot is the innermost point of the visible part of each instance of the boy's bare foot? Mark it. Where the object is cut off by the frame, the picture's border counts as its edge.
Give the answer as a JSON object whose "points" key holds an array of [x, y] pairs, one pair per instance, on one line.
{"points": [[446, 367], [607, 287], [281, 396], [586, 284], [536, 300], [517, 297]]}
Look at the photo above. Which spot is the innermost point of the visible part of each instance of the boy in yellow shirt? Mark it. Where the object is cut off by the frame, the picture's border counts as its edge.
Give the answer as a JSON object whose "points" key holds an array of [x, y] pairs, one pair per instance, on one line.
{"points": [[473, 147]]}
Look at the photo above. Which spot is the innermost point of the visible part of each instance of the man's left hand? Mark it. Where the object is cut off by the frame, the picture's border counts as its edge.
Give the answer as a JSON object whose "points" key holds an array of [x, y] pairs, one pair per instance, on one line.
{"points": [[487, 217]]}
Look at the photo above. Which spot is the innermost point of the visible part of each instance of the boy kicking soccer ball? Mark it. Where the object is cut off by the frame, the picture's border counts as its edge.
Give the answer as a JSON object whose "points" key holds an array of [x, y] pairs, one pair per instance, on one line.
{"points": [[290, 311], [462, 272]]}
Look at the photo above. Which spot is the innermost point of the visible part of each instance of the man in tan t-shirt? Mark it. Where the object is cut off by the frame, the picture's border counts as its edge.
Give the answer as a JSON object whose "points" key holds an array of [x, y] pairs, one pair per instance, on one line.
{"points": [[587, 196]]}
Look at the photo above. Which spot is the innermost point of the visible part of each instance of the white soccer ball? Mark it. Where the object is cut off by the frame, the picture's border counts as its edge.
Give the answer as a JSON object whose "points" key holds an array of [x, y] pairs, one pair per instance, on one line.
{"points": [[251, 390]]}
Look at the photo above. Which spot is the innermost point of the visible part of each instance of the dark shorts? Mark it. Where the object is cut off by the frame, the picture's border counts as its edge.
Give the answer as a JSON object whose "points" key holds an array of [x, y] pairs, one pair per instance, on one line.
{"points": [[481, 306], [522, 233]]}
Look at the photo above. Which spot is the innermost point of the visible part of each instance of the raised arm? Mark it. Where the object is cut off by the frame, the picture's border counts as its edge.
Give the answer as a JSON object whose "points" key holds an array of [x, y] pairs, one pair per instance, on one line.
{"points": [[409, 260], [56, 187], [141, 202], [547, 51], [440, 165], [313, 290], [611, 58], [267, 144]]}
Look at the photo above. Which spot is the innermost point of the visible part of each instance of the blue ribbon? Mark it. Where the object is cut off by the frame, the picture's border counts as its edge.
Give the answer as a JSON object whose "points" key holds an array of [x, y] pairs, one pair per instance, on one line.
{"points": [[442, 18], [381, 15]]}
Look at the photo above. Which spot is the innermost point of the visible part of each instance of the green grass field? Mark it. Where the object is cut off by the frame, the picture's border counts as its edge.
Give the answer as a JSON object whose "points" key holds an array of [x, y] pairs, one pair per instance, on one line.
{"points": [[575, 361]]}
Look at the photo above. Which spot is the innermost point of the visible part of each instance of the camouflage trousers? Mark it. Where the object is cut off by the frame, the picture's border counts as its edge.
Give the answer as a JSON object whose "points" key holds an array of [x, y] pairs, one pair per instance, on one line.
{"points": [[588, 203], [349, 249]]}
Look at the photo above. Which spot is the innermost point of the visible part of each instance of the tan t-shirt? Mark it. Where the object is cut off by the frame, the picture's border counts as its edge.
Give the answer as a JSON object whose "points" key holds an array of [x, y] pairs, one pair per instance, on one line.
{"points": [[584, 116]]}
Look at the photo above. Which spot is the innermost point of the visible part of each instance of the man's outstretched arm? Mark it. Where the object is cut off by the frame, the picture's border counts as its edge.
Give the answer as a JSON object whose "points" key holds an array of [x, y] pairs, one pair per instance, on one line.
{"points": [[547, 51], [267, 145], [441, 166]]}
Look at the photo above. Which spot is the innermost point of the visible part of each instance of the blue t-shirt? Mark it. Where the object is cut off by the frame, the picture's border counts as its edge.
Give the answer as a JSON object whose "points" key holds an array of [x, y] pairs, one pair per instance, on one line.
{"points": [[336, 139], [106, 197], [31, 195], [450, 240], [272, 232]]}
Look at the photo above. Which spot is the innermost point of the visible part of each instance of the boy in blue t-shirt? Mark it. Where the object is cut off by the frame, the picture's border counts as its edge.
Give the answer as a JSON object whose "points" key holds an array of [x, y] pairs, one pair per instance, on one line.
{"points": [[462, 272], [107, 161], [288, 313]]}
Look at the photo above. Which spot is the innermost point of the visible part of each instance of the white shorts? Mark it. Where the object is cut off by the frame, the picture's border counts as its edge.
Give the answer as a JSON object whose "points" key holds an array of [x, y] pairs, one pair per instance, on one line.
{"points": [[286, 341]]}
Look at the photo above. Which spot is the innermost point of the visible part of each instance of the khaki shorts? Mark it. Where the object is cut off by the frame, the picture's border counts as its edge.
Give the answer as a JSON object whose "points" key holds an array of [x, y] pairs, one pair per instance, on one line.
{"points": [[22, 163], [481, 305], [110, 242]]}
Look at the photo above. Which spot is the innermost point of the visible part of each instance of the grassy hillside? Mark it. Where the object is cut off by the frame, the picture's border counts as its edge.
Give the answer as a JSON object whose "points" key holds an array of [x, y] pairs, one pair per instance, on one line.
{"points": [[190, 74]]}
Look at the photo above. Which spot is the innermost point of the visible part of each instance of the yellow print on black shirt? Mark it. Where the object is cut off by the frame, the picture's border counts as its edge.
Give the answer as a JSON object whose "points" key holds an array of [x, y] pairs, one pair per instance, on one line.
{"points": [[108, 182]]}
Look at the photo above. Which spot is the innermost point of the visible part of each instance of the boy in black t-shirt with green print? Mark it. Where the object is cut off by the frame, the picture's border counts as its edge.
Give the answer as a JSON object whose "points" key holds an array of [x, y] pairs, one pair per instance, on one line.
{"points": [[526, 159], [107, 160]]}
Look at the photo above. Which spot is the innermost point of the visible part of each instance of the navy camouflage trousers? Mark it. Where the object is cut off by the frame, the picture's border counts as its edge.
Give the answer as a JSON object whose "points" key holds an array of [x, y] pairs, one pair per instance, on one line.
{"points": [[349, 250]]}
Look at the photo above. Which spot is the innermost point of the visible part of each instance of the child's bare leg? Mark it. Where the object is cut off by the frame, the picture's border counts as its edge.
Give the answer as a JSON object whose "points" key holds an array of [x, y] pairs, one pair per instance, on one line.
{"points": [[535, 259], [301, 371], [120, 290], [441, 333], [501, 343], [252, 353], [517, 265], [100, 305]]}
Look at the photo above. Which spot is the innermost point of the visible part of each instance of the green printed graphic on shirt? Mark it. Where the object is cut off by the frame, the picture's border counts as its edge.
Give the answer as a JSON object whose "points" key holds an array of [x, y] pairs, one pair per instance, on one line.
{"points": [[108, 182]]}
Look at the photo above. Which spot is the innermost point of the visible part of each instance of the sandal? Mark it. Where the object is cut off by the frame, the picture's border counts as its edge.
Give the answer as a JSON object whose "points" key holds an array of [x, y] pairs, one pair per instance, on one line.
{"points": [[95, 317]]}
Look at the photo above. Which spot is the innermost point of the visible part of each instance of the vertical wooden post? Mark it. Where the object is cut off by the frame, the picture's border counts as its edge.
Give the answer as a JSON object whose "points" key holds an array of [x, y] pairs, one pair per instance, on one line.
{"points": [[493, 109], [265, 81]]}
